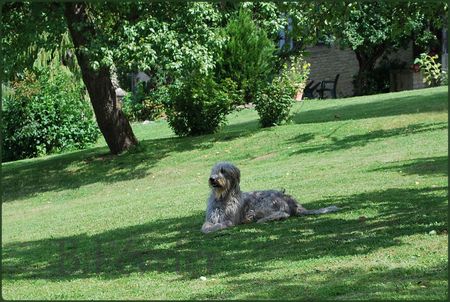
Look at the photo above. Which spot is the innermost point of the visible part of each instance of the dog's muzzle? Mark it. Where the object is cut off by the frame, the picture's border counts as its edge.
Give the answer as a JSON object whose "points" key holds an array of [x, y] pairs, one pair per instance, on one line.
{"points": [[213, 181]]}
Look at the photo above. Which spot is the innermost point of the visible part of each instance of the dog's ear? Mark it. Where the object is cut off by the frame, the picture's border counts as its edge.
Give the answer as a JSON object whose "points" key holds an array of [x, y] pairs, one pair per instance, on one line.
{"points": [[237, 174]]}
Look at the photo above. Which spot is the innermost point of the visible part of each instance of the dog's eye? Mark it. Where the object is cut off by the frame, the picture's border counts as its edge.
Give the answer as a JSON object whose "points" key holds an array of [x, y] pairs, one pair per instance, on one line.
{"points": [[222, 171]]}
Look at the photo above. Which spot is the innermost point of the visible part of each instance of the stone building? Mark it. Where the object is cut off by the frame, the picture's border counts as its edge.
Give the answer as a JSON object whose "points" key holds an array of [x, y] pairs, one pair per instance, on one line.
{"points": [[327, 61]]}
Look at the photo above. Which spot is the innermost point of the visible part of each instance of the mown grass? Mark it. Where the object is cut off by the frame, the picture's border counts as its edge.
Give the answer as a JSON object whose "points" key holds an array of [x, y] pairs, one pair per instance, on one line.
{"points": [[88, 225]]}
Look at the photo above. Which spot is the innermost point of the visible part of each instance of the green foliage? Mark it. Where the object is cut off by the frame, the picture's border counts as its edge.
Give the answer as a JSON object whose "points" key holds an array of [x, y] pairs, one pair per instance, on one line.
{"points": [[247, 56], [166, 41], [430, 69], [444, 78], [368, 25], [371, 28], [198, 106], [269, 16], [143, 106], [296, 71], [378, 79], [46, 113], [29, 28], [274, 102]]}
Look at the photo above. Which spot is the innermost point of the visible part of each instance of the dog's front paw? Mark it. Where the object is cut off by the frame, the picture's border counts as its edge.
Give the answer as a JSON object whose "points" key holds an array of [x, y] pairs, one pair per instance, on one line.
{"points": [[207, 228], [227, 223], [249, 217]]}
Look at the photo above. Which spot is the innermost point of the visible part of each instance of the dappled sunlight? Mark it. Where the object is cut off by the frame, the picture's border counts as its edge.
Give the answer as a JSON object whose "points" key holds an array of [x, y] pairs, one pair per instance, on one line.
{"points": [[340, 281], [381, 105], [90, 215], [158, 245], [361, 140], [420, 166]]}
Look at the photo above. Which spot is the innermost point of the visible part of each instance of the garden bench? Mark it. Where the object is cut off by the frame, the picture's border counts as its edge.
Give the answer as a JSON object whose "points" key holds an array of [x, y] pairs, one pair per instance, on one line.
{"points": [[328, 86], [309, 90]]}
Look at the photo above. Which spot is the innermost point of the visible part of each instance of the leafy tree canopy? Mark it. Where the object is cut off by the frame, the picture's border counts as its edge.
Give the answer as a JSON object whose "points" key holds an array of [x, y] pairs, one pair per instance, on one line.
{"points": [[153, 36]]}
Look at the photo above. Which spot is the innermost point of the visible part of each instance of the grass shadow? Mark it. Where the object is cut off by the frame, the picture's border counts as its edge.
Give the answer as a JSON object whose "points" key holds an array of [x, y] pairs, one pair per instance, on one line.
{"points": [[302, 138], [396, 105], [175, 245], [345, 284], [73, 170], [420, 166], [360, 140]]}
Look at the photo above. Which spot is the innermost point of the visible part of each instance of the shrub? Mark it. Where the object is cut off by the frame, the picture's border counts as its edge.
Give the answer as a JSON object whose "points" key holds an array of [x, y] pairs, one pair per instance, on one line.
{"points": [[143, 106], [296, 72], [248, 55], [198, 106], [444, 78], [430, 69], [46, 114], [378, 79], [275, 101]]}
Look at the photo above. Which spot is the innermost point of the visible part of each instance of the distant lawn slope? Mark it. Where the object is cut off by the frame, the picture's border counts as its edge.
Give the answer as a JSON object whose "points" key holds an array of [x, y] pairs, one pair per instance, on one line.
{"points": [[88, 225]]}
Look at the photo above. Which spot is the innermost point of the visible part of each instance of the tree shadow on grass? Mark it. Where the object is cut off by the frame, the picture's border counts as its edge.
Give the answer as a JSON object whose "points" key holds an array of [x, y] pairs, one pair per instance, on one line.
{"points": [[175, 245], [396, 105], [238, 129], [344, 284], [360, 140], [420, 166], [302, 138], [74, 170]]}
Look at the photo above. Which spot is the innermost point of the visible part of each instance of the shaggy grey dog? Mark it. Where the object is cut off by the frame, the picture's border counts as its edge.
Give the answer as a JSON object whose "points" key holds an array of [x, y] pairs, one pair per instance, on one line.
{"points": [[229, 206]]}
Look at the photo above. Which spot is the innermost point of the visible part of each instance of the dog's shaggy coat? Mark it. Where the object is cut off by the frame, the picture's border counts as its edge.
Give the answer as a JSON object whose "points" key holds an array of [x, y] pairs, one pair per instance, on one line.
{"points": [[229, 206]]}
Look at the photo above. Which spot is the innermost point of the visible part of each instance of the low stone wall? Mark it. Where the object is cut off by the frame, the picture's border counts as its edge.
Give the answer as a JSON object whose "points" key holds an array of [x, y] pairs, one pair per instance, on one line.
{"points": [[406, 79]]}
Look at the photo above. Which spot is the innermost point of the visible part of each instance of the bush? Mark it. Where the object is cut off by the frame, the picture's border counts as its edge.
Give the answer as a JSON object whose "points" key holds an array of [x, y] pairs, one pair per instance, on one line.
{"points": [[142, 106], [248, 55], [296, 72], [430, 69], [46, 114], [198, 106], [444, 78], [378, 79], [274, 102]]}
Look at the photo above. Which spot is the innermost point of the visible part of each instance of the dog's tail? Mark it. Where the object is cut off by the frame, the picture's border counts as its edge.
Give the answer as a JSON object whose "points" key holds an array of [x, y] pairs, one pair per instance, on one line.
{"points": [[330, 209]]}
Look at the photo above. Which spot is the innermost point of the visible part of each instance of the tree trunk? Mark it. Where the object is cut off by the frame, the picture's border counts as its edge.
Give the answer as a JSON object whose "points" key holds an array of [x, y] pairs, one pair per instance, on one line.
{"points": [[365, 67], [366, 61], [111, 120]]}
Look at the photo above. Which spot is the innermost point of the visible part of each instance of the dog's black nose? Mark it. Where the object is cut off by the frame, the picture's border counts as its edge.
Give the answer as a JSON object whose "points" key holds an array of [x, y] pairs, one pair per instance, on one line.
{"points": [[212, 179]]}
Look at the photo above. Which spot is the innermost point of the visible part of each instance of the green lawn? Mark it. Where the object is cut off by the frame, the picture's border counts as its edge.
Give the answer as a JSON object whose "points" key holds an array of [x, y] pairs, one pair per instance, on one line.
{"points": [[88, 225]]}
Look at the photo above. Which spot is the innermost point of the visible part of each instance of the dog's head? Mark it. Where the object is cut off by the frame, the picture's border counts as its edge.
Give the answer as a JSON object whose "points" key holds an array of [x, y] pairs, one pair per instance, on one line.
{"points": [[224, 178]]}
